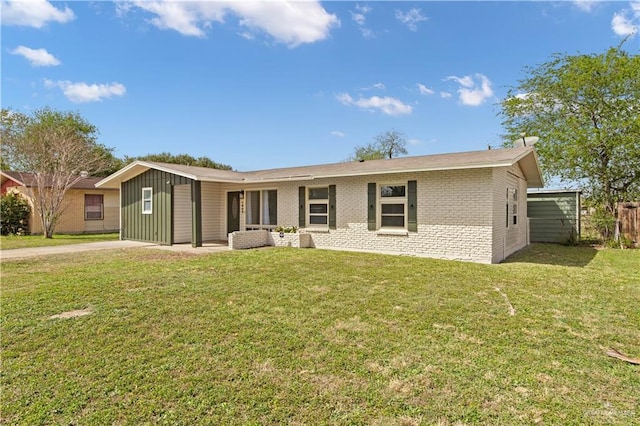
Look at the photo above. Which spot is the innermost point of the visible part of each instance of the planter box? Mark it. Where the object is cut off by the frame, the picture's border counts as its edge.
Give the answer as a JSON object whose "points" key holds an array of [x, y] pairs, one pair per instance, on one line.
{"points": [[299, 240]]}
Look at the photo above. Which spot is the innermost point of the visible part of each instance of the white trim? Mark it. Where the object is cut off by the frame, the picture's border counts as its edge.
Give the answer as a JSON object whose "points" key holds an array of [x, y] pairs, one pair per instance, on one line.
{"points": [[310, 201], [380, 200], [150, 211]]}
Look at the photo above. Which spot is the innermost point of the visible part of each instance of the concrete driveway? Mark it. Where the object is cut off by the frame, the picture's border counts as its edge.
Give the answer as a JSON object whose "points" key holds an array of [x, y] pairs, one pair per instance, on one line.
{"points": [[106, 245]]}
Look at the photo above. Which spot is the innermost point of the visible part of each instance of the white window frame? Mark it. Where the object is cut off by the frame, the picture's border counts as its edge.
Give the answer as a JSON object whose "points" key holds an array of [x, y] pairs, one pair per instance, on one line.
{"points": [[261, 198], [393, 200], [148, 199], [321, 201]]}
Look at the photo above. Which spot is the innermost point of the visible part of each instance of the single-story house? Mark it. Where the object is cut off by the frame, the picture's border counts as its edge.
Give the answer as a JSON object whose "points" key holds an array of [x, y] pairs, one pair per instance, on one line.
{"points": [[87, 209], [554, 215], [468, 206]]}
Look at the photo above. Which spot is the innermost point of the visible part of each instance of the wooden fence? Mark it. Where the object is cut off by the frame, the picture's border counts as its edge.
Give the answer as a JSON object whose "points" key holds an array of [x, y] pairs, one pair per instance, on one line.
{"points": [[629, 219]]}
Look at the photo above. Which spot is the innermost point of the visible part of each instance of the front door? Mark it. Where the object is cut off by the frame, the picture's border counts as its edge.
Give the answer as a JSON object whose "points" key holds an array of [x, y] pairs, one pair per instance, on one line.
{"points": [[233, 212]]}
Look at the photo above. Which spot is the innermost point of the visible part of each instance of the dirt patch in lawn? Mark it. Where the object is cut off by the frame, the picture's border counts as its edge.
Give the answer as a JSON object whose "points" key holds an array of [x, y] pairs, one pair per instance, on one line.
{"points": [[72, 314]]}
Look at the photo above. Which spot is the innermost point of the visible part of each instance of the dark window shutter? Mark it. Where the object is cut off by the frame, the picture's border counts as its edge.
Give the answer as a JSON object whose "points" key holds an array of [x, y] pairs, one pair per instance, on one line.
{"points": [[412, 199], [332, 207], [371, 218], [302, 211]]}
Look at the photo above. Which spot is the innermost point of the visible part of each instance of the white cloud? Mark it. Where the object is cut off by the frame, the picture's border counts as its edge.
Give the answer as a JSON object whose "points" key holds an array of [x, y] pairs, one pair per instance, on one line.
{"points": [[585, 5], [37, 57], [411, 18], [33, 13], [627, 21], [337, 133], [379, 86], [424, 90], [360, 18], [288, 22], [386, 105], [83, 92], [474, 90], [445, 95]]}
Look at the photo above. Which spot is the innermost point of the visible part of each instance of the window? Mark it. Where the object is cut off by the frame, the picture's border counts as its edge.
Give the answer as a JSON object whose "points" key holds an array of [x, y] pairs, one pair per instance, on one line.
{"points": [[262, 209], [393, 206], [147, 200], [318, 206], [512, 207], [93, 207]]}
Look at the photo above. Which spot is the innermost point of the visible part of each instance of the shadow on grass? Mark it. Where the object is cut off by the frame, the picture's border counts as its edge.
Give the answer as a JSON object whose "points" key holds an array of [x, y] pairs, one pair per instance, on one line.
{"points": [[554, 254]]}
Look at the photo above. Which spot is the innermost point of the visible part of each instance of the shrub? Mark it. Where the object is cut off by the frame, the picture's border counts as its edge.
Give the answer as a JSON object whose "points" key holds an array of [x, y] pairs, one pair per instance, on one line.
{"points": [[14, 214]]}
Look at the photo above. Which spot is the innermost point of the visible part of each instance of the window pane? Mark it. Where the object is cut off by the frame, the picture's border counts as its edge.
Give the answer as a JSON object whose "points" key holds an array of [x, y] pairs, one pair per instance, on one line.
{"points": [[253, 207], [318, 193], [393, 221], [392, 191], [318, 220], [392, 208], [318, 208], [270, 207]]}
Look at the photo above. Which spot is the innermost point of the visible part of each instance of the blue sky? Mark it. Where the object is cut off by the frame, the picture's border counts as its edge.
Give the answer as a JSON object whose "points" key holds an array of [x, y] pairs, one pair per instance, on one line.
{"points": [[274, 83]]}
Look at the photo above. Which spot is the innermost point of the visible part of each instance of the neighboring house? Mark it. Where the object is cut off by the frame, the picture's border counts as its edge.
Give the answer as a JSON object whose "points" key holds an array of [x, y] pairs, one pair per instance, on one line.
{"points": [[468, 206], [554, 216], [86, 208]]}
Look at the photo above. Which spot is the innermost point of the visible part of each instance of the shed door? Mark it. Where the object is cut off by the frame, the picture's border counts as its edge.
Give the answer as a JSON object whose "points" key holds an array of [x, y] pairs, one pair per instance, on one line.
{"points": [[182, 214]]}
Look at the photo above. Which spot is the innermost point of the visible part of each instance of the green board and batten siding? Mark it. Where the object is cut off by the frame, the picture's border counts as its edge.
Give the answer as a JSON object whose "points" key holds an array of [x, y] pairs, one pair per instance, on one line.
{"points": [[554, 217], [155, 227]]}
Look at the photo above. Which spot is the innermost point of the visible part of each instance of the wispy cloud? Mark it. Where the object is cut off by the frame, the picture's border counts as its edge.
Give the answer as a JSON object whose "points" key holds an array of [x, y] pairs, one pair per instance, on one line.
{"points": [[386, 105], [445, 95], [474, 90], [288, 22], [337, 133], [33, 13], [37, 57], [410, 18], [360, 18], [585, 5], [627, 21], [83, 92], [424, 90], [377, 86]]}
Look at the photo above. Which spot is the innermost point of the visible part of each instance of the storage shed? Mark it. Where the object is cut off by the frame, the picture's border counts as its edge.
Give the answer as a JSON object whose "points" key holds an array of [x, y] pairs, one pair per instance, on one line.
{"points": [[554, 216]]}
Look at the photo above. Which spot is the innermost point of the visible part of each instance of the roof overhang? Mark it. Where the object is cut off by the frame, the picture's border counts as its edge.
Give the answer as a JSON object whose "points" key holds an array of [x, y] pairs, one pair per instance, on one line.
{"points": [[527, 160], [530, 166]]}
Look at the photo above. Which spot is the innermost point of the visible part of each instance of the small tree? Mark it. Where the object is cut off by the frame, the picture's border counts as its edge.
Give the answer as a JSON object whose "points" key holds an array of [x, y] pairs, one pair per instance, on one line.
{"points": [[586, 110], [58, 148], [14, 214], [389, 144]]}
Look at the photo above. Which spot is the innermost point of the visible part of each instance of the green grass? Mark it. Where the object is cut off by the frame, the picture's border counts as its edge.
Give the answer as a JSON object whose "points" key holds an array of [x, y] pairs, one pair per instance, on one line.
{"points": [[294, 336], [8, 242]]}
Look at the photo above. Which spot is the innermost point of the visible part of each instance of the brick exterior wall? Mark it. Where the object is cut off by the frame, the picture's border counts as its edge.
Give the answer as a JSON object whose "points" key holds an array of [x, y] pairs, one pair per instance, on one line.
{"points": [[72, 220], [460, 214]]}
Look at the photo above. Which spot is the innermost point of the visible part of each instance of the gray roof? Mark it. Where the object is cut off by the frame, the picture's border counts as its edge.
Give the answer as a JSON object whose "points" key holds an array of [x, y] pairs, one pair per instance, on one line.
{"points": [[526, 156], [29, 180]]}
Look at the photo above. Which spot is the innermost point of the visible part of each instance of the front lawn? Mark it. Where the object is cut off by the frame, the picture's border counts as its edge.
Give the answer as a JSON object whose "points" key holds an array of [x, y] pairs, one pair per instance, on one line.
{"points": [[305, 336], [8, 242]]}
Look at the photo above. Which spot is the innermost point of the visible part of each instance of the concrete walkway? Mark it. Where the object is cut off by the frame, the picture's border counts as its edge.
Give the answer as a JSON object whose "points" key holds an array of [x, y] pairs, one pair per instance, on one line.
{"points": [[106, 245]]}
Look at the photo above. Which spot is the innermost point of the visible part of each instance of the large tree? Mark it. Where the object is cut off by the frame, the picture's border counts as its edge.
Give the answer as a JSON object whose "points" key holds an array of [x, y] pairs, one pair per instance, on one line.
{"points": [[586, 111], [186, 159], [57, 149], [388, 144]]}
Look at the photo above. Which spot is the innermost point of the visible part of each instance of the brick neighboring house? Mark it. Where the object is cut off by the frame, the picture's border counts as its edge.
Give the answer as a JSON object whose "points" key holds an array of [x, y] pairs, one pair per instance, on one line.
{"points": [[466, 206], [87, 209]]}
